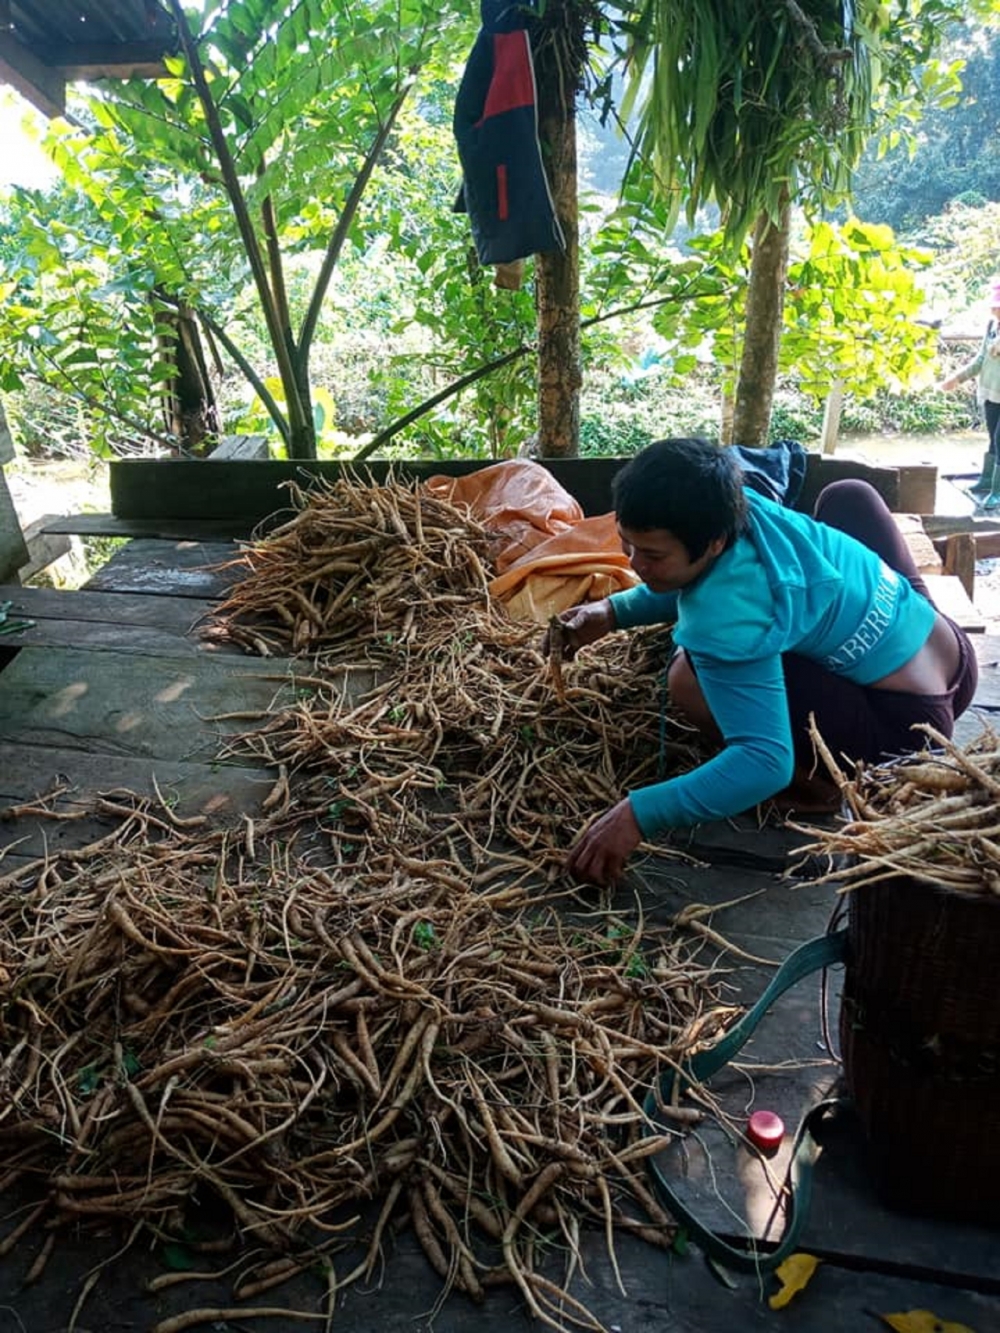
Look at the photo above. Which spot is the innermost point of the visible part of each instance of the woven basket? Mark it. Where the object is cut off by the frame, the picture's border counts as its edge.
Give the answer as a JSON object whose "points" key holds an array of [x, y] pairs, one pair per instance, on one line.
{"points": [[920, 1034]]}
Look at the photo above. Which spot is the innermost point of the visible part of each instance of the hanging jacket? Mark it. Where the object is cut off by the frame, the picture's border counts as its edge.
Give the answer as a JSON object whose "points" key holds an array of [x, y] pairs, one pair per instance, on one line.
{"points": [[504, 187]]}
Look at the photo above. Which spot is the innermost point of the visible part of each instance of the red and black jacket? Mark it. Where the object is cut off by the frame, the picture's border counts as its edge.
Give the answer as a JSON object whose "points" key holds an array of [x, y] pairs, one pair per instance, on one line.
{"points": [[504, 187]]}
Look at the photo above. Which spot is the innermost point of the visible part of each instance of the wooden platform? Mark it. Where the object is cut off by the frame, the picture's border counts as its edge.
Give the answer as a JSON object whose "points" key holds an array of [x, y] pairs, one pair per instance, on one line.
{"points": [[112, 687], [948, 567]]}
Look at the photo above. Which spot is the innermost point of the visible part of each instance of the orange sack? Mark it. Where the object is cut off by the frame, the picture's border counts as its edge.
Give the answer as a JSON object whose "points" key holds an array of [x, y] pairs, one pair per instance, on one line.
{"points": [[552, 557]]}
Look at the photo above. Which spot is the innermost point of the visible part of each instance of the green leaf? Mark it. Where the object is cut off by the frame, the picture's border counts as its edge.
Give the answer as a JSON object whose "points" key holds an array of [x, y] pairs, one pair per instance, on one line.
{"points": [[179, 1258], [88, 1080]]}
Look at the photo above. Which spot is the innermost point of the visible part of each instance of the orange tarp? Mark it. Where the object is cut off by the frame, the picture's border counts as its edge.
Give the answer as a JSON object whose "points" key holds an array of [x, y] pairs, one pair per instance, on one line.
{"points": [[552, 557]]}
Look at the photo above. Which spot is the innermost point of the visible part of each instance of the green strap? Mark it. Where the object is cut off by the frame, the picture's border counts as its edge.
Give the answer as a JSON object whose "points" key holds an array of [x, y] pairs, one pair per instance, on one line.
{"points": [[808, 958]]}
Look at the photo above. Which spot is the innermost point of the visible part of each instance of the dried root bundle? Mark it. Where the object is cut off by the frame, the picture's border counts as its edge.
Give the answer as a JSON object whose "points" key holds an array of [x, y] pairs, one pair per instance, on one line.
{"points": [[933, 817], [356, 561]]}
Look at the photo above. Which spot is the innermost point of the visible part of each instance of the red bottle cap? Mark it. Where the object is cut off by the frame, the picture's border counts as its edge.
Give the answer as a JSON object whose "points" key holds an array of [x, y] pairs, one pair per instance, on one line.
{"points": [[765, 1130]]}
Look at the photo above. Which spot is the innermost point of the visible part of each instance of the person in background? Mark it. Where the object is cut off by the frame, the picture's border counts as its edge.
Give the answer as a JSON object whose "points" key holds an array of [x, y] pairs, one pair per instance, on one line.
{"points": [[986, 365], [777, 615]]}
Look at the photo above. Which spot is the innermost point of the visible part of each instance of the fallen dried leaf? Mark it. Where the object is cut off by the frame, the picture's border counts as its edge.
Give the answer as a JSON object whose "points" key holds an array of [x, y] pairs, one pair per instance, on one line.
{"points": [[794, 1274]]}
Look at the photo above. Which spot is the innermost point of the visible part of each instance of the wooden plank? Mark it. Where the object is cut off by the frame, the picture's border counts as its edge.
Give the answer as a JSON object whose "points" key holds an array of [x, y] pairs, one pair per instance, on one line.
{"points": [[923, 550], [151, 489], [240, 446], [176, 529], [918, 487], [986, 543], [941, 525], [112, 622], [219, 791], [949, 596], [115, 704], [164, 568], [988, 650], [13, 552], [43, 87], [644, 1290], [43, 547], [103, 636], [6, 439], [176, 614]]}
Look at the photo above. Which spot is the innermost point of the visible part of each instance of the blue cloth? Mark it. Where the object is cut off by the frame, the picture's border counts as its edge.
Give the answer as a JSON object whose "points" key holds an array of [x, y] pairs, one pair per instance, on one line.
{"points": [[505, 190], [788, 585], [777, 472]]}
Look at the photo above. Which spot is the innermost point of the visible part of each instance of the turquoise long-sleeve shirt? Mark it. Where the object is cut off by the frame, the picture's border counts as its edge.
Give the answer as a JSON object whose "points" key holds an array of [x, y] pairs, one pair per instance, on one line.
{"points": [[788, 585]]}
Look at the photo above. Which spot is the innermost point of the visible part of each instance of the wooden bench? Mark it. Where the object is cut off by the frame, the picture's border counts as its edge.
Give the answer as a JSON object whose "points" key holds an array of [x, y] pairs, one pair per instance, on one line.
{"points": [[949, 569]]}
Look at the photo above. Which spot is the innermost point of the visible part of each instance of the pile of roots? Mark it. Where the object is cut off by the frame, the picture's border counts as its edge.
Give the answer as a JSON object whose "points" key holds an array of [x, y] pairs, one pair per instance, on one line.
{"points": [[931, 817], [375, 1000], [183, 1016], [429, 721]]}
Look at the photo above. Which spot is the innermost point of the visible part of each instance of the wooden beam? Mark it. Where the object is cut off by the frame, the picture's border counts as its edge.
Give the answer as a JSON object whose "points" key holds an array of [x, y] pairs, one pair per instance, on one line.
{"points": [[240, 446], [43, 87], [44, 548], [109, 60], [926, 556], [943, 525], [13, 552], [246, 492], [987, 544], [918, 487], [950, 597]]}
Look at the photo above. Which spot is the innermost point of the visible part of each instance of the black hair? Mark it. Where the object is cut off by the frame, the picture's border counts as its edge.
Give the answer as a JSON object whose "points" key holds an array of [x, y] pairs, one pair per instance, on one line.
{"points": [[689, 487]]}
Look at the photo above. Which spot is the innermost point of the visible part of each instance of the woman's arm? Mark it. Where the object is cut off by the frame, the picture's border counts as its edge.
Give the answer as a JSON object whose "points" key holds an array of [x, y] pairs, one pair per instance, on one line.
{"points": [[641, 606], [970, 368], [750, 707], [749, 703]]}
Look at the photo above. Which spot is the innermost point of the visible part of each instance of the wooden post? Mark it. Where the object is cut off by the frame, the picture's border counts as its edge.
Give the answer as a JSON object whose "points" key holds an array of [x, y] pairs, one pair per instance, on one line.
{"points": [[831, 417], [6, 439], [960, 559], [13, 552], [726, 419]]}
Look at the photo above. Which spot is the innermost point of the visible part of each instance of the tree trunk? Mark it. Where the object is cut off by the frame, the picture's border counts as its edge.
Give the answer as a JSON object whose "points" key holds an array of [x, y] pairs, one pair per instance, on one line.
{"points": [[557, 283], [762, 339], [190, 411]]}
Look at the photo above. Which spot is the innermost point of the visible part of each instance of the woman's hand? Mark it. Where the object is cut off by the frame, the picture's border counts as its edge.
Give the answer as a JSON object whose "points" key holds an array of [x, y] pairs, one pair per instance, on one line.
{"points": [[600, 854], [581, 625]]}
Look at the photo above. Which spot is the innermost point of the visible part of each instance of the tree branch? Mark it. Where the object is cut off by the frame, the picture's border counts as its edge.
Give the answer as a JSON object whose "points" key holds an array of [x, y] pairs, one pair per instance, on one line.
{"points": [[343, 226], [63, 383], [423, 408], [296, 412], [263, 393], [827, 57], [482, 371]]}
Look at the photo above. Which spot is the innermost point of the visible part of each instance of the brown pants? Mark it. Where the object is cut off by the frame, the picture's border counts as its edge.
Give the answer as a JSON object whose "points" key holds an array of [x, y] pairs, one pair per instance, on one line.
{"points": [[856, 720]]}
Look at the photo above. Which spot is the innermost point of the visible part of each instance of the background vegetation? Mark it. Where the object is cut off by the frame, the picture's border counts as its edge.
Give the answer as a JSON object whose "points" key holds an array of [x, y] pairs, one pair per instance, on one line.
{"points": [[408, 310]]}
